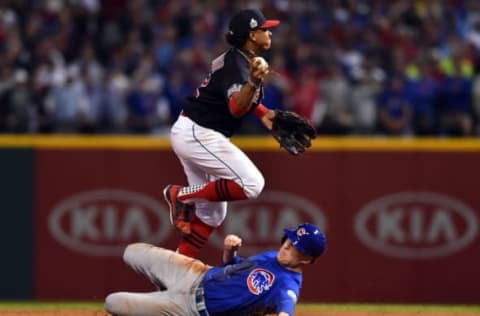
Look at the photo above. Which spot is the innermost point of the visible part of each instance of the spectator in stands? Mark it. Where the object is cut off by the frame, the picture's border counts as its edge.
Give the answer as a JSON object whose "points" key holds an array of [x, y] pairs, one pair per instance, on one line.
{"points": [[307, 96], [363, 97], [422, 90], [108, 41], [335, 90], [395, 110], [17, 102], [456, 117]]}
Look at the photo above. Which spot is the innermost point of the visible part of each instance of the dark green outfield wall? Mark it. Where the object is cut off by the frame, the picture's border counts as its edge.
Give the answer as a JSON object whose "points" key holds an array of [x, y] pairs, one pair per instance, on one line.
{"points": [[16, 223]]}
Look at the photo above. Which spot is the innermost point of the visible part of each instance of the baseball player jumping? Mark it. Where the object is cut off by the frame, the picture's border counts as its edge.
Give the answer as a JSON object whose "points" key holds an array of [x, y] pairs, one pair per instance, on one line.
{"points": [[267, 283], [218, 171]]}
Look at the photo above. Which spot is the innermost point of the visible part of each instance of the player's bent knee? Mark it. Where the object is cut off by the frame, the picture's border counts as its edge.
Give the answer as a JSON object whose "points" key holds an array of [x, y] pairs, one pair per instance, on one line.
{"points": [[132, 251], [253, 189]]}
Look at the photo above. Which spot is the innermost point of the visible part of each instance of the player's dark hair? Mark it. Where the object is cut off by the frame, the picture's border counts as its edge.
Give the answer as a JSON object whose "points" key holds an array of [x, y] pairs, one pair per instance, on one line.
{"points": [[236, 40]]}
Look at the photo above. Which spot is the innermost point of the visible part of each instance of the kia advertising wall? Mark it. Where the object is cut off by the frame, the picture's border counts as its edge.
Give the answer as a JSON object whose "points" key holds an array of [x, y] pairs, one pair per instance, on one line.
{"points": [[402, 225]]}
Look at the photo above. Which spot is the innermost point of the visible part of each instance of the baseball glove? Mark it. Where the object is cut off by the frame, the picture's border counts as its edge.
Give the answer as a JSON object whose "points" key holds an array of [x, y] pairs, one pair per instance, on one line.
{"points": [[292, 131]]}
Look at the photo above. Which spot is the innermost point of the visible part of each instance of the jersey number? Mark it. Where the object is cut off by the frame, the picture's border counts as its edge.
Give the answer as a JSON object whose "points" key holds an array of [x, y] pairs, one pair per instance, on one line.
{"points": [[217, 64]]}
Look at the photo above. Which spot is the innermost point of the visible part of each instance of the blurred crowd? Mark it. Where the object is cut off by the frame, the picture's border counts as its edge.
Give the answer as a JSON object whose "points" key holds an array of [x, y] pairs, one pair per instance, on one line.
{"points": [[368, 67]]}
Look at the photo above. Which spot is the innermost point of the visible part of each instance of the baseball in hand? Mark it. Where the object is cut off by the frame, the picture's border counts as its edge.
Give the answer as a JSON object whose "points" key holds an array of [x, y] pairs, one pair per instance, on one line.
{"points": [[260, 63]]}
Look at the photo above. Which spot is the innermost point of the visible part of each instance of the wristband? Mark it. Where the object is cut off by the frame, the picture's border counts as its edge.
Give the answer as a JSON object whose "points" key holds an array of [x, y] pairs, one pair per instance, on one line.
{"points": [[260, 110], [253, 84]]}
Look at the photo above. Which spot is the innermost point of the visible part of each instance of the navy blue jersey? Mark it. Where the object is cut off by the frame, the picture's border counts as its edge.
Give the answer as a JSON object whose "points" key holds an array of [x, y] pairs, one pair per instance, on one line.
{"points": [[209, 106], [258, 283]]}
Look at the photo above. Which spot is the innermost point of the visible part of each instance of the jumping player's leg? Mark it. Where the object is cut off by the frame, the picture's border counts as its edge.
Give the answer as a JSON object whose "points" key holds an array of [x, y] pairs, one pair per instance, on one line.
{"points": [[235, 175], [190, 244], [217, 171], [211, 213], [208, 216]]}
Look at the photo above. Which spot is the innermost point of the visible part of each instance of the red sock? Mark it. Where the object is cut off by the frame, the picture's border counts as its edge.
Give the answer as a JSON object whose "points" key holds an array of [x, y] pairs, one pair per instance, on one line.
{"points": [[191, 244], [219, 190]]}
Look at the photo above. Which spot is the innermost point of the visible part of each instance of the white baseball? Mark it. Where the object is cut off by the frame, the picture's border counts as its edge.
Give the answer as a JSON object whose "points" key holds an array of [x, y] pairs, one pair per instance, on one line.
{"points": [[261, 62]]}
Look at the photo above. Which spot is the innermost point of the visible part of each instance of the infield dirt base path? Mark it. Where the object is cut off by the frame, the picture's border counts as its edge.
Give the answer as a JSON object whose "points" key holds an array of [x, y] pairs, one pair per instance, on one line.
{"points": [[301, 313]]}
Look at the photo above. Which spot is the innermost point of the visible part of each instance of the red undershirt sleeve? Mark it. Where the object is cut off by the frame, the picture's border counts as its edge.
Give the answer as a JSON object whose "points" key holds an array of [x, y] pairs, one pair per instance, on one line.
{"points": [[260, 110]]}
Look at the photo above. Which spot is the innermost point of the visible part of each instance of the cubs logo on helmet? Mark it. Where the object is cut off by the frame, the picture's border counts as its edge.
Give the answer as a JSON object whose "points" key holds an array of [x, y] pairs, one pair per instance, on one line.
{"points": [[302, 231], [260, 280], [308, 239]]}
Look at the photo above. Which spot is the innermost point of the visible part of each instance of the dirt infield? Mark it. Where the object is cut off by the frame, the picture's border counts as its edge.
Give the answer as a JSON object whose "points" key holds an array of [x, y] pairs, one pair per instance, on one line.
{"points": [[53, 313], [300, 313]]}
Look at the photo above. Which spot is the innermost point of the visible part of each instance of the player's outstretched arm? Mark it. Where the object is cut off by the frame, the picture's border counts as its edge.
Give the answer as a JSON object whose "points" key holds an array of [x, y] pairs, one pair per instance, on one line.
{"points": [[231, 244], [267, 119]]}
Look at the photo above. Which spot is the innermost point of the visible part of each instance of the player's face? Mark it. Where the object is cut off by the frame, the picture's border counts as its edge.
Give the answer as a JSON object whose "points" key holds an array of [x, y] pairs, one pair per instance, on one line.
{"points": [[263, 38], [289, 256]]}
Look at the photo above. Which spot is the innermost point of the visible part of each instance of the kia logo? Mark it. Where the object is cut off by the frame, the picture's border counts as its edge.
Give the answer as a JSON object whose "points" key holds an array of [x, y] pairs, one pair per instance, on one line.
{"points": [[416, 225], [103, 222], [260, 222]]}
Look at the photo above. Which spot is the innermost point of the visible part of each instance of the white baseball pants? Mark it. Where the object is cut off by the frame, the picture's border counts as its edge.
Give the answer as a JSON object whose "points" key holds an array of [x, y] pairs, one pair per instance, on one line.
{"points": [[207, 155]]}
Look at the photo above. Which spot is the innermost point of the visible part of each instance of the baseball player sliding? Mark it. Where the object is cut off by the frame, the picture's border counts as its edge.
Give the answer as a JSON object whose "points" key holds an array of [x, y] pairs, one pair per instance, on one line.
{"points": [[217, 171], [264, 284]]}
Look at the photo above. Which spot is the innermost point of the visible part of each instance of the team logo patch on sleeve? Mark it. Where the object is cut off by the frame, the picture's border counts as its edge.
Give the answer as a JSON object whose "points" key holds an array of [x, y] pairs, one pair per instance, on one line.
{"points": [[260, 280]]}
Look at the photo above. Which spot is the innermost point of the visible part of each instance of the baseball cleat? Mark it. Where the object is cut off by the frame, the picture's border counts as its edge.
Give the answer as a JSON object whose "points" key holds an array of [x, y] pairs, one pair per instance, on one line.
{"points": [[181, 214]]}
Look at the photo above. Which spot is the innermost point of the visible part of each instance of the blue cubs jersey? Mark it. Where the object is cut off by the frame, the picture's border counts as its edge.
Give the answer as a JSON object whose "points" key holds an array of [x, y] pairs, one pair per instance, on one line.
{"points": [[247, 286]]}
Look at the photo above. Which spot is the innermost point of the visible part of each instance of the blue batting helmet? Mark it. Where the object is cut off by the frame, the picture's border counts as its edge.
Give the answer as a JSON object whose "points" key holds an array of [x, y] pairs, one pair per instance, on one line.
{"points": [[308, 239]]}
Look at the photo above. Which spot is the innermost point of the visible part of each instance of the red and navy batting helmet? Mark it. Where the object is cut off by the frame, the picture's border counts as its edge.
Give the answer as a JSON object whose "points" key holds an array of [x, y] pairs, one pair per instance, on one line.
{"points": [[308, 239]]}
